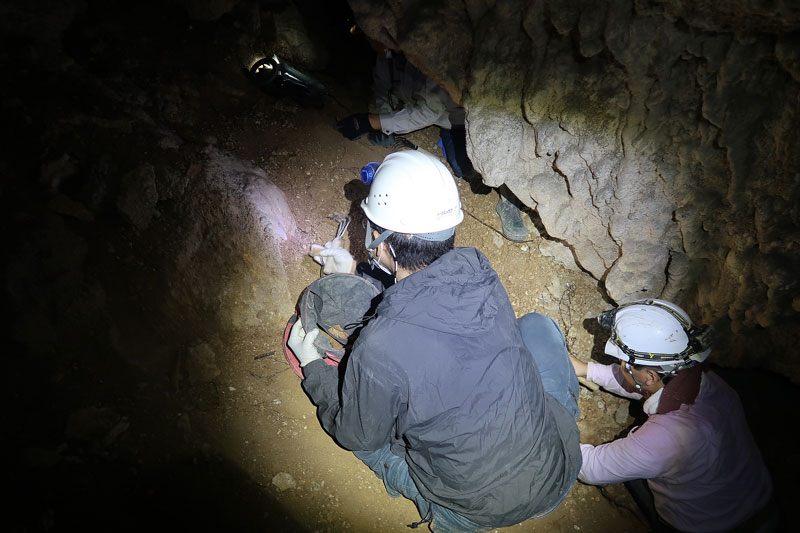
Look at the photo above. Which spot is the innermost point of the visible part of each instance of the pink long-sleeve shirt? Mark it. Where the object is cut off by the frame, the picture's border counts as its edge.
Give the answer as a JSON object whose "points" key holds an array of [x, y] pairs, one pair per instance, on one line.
{"points": [[701, 461]]}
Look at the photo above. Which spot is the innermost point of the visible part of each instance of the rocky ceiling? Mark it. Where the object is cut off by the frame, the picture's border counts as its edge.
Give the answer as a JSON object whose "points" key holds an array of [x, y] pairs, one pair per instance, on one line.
{"points": [[657, 140]]}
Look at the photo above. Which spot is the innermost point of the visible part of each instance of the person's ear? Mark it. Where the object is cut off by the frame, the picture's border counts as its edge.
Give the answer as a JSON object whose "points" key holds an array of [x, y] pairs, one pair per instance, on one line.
{"points": [[652, 377], [375, 234]]}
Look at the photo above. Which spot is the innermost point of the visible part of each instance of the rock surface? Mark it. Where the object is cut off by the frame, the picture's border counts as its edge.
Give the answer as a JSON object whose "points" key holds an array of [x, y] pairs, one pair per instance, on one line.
{"points": [[658, 141]]}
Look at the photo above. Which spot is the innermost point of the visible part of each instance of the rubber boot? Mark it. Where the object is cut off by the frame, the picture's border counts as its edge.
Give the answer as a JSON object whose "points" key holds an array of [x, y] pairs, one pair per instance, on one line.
{"points": [[514, 227]]}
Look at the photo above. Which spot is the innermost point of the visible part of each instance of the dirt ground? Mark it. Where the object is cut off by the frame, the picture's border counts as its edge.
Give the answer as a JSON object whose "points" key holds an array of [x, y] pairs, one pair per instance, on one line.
{"points": [[264, 422], [103, 446], [108, 441]]}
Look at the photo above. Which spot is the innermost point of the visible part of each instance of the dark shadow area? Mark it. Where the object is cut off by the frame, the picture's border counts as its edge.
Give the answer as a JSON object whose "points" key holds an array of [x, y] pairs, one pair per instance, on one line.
{"points": [[92, 435], [95, 448], [351, 55], [475, 181], [355, 191], [350, 58], [456, 140], [767, 401], [107, 38], [188, 493]]}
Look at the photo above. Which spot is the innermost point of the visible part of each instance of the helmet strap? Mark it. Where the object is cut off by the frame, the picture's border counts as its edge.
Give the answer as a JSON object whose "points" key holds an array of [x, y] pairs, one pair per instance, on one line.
{"points": [[373, 244], [376, 261], [638, 384]]}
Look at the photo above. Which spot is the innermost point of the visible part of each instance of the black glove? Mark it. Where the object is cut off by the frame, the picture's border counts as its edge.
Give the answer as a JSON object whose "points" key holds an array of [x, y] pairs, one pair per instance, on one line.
{"points": [[378, 138], [354, 126]]}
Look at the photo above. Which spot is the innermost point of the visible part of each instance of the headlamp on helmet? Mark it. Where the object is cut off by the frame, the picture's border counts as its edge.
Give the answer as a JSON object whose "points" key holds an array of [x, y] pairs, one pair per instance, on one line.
{"points": [[655, 333]]}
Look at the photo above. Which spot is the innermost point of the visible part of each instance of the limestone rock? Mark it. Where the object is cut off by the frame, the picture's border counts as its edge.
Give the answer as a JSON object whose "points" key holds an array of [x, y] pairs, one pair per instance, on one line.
{"points": [[657, 140], [284, 481]]}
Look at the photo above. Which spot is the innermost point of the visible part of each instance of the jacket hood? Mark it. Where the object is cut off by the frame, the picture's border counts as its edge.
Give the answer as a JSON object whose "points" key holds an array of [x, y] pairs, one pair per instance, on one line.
{"points": [[458, 293]]}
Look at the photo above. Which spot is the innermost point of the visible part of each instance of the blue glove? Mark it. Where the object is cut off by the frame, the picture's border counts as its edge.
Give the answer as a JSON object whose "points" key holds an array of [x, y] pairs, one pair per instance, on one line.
{"points": [[354, 126]]}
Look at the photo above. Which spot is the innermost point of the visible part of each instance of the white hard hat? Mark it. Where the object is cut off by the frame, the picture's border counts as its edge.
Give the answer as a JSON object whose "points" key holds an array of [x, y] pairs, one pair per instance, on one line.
{"points": [[656, 333], [413, 192]]}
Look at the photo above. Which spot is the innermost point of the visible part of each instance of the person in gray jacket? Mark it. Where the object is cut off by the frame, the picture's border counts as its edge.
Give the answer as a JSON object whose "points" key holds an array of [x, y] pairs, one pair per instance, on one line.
{"points": [[445, 395], [406, 100]]}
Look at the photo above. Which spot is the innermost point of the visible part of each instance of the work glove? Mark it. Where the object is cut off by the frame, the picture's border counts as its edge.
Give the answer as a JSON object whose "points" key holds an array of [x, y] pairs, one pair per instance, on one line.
{"points": [[302, 343], [378, 138], [334, 259], [354, 126]]}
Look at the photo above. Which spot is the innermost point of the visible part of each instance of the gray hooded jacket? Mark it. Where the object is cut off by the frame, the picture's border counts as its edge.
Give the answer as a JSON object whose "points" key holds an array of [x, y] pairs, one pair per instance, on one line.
{"points": [[441, 373]]}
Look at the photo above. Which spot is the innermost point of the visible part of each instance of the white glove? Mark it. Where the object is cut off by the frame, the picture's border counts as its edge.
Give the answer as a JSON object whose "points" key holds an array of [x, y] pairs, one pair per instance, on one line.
{"points": [[335, 259], [302, 343]]}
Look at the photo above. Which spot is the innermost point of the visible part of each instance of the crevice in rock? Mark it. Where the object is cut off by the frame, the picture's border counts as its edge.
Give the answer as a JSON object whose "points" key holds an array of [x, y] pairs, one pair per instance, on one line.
{"points": [[679, 226], [601, 288], [560, 173], [666, 274], [536, 220]]}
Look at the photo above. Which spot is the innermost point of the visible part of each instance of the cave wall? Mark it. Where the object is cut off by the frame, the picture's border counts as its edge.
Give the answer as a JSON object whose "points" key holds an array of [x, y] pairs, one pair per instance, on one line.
{"points": [[656, 140]]}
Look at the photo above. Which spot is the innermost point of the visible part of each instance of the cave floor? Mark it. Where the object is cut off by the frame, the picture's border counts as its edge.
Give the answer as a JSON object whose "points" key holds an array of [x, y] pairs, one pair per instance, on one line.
{"points": [[108, 433], [246, 452], [265, 424]]}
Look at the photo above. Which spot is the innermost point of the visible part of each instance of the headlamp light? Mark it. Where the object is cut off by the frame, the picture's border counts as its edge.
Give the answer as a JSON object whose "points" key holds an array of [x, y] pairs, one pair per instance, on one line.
{"points": [[606, 319], [368, 172]]}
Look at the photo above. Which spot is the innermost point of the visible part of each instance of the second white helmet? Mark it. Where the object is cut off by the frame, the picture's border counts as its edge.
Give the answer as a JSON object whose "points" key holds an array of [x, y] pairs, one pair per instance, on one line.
{"points": [[655, 333], [413, 192]]}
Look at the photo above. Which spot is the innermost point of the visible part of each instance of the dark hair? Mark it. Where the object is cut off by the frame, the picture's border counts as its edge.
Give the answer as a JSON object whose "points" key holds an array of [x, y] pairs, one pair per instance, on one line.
{"points": [[413, 253], [665, 377]]}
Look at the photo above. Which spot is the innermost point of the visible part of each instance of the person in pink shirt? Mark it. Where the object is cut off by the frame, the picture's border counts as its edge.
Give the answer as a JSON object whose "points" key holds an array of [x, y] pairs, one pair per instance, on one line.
{"points": [[693, 465]]}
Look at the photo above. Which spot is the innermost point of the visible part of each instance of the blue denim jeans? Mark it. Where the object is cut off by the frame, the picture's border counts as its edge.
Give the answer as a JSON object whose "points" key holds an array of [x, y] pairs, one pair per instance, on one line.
{"points": [[548, 346], [393, 470], [546, 343]]}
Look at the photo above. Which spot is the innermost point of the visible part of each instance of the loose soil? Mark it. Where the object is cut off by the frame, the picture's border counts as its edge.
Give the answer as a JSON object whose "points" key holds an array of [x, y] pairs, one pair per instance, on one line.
{"points": [[264, 423], [104, 446]]}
